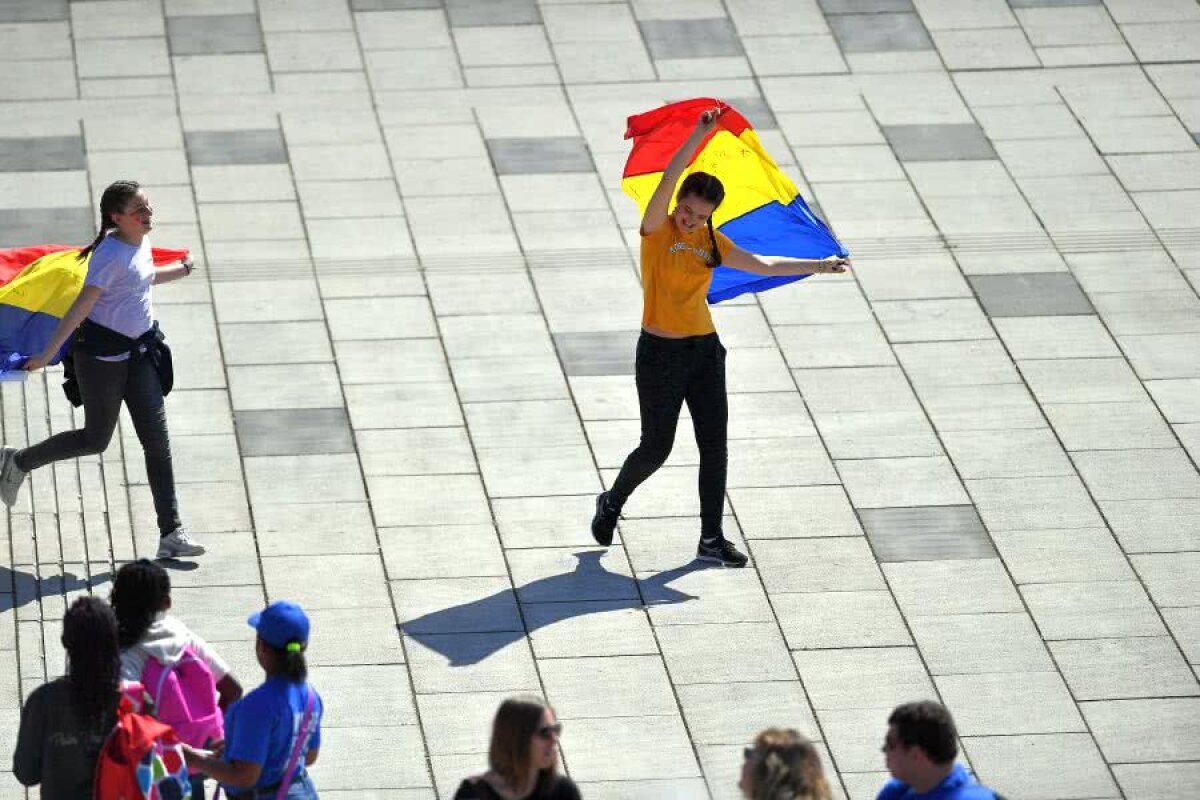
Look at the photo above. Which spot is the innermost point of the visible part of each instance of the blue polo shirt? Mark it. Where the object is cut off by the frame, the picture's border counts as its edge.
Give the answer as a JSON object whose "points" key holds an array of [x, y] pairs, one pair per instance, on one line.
{"points": [[958, 785], [261, 728]]}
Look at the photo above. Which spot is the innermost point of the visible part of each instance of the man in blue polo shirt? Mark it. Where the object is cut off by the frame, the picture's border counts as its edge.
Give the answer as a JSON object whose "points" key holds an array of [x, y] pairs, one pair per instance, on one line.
{"points": [[920, 748]]}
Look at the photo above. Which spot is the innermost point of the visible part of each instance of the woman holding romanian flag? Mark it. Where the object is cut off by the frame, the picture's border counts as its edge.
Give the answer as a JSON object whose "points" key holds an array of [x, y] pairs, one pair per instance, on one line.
{"points": [[118, 357], [679, 356]]}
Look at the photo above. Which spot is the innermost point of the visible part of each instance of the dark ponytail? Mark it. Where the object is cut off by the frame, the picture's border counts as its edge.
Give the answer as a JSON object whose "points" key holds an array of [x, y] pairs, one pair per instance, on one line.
{"points": [[139, 593], [93, 661], [288, 661], [709, 189], [113, 201]]}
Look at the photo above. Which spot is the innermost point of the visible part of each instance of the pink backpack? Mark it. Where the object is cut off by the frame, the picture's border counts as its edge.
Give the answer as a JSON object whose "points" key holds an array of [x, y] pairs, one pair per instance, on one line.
{"points": [[185, 697]]}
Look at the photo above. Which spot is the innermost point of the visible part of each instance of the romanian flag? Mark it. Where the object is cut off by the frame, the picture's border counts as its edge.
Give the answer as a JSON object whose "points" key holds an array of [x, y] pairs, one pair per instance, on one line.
{"points": [[37, 287], [763, 211]]}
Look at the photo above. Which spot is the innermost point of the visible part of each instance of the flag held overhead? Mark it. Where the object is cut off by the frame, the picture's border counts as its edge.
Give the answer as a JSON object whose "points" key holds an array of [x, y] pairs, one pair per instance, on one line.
{"points": [[763, 211]]}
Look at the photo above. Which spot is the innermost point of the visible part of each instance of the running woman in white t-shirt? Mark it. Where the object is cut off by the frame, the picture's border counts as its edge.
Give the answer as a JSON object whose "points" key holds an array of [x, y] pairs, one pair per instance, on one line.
{"points": [[115, 308]]}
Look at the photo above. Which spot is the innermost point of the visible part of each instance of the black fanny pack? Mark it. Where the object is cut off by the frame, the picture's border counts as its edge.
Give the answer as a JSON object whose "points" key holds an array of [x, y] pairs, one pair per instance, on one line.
{"points": [[95, 339]]}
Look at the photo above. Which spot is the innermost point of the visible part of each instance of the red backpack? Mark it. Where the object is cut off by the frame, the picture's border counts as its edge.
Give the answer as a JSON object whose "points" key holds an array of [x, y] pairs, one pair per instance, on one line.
{"points": [[141, 759]]}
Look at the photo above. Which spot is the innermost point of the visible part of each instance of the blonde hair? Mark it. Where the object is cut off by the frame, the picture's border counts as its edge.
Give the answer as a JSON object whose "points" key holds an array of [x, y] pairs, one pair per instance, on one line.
{"points": [[786, 766]]}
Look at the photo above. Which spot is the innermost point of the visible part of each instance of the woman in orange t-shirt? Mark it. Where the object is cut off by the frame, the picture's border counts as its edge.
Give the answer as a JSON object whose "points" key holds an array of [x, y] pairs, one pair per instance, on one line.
{"points": [[679, 356]]}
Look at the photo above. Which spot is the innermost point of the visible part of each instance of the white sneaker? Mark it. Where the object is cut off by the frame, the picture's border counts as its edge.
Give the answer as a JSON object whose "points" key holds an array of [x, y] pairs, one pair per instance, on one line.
{"points": [[11, 476], [178, 543]]}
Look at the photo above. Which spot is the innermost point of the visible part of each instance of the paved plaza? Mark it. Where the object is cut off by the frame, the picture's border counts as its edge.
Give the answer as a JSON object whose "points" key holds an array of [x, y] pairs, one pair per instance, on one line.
{"points": [[967, 470]]}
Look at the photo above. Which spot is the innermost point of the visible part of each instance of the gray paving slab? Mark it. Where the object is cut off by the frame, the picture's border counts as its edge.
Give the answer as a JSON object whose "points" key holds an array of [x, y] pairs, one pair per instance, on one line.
{"points": [[871, 33]]}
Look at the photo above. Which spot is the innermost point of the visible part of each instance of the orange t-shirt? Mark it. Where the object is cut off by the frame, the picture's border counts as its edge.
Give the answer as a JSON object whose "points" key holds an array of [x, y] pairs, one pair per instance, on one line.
{"points": [[676, 277]]}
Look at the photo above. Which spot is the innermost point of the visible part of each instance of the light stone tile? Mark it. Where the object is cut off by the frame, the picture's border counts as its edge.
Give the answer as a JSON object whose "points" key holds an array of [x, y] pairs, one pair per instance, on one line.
{"points": [[752, 708], [264, 387], [319, 582], [630, 748], [842, 564], [853, 736], [787, 512], [459, 723], [428, 500], [866, 678], [1145, 730], [1109, 669], [1056, 337], [633, 686], [463, 662], [436, 607], [415, 451], [856, 389], [1031, 452], [1092, 610], [778, 462], [699, 594], [1051, 766], [275, 343], [1138, 474], [943, 364], [402, 405], [314, 529], [667, 544], [1062, 556], [1110, 426], [1089, 380], [546, 521], [1164, 356], [834, 345], [746, 651], [893, 482], [448, 551], [1169, 577], [840, 619], [980, 643], [990, 407], [354, 636], [1026, 504], [1156, 780], [564, 575], [588, 628], [931, 588], [359, 704], [1010, 703], [877, 434], [380, 361]]}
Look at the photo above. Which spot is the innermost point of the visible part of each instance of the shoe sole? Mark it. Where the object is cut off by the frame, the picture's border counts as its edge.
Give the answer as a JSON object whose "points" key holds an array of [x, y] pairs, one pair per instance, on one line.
{"points": [[721, 561], [195, 551], [9, 499]]}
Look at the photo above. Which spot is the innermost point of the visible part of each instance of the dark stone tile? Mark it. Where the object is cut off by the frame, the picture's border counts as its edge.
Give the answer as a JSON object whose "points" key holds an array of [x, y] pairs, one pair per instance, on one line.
{"points": [[532, 156], [756, 110], [1052, 3], [465, 13], [606, 353], [864, 6], [875, 33], [222, 33], [926, 533], [294, 432], [26, 226], [1031, 294], [691, 38], [34, 10], [206, 148], [393, 5], [42, 153], [966, 142]]}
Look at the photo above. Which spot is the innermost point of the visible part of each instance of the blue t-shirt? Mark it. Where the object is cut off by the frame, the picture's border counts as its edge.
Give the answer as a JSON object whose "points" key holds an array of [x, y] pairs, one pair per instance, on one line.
{"points": [[261, 727], [958, 785]]}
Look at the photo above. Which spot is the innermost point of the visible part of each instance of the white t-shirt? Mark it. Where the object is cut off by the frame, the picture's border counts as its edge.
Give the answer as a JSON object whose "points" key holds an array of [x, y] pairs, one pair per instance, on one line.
{"points": [[126, 275], [165, 641]]}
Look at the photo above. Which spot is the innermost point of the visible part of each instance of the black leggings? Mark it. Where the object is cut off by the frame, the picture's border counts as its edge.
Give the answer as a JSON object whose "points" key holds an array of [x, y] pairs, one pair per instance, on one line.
{"points": [[669, 372], [104, 385]]}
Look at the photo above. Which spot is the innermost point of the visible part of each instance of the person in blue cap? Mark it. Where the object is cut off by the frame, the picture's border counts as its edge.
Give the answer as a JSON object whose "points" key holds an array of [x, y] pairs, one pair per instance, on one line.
{"points": [[274, 732]]}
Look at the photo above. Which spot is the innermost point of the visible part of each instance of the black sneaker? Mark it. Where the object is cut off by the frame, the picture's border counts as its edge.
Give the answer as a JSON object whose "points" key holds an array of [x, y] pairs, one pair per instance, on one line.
{"points": [[604, 522], [721, 551]]}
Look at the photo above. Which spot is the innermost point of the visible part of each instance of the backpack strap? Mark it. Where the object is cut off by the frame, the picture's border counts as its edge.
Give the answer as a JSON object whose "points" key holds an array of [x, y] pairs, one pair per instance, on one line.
{"points": [[301, 738]]}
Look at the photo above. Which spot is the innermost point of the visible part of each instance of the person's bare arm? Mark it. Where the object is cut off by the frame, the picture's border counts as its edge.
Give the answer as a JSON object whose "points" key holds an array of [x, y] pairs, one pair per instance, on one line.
{"points": [[660, 201], [781, 265]]}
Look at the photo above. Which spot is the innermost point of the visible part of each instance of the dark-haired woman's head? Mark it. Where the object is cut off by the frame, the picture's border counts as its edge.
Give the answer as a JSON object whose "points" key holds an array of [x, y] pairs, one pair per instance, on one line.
{"points": [[524, 741], [141, 590], [282, 639], [124, 208], [697, 200], [783, 765], [93, 659]]}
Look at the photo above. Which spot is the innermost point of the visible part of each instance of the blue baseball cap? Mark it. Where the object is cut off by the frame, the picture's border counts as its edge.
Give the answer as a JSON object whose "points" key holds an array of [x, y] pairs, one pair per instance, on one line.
{"points": [[280, 623]]}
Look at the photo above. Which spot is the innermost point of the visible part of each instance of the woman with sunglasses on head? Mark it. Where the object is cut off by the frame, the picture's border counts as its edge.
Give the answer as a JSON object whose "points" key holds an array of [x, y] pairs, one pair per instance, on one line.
{"points": [[783, 765], [679, 356], [522, 757], [116, 360]]}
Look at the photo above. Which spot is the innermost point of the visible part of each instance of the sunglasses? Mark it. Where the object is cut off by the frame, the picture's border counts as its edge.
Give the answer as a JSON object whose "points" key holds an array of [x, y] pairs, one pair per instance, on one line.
{"points": [[549, 731]]}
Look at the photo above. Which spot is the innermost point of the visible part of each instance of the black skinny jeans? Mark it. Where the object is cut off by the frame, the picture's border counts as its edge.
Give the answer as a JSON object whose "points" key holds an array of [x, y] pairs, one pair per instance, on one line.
{"points": [[103, 386], [669, 373]]}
